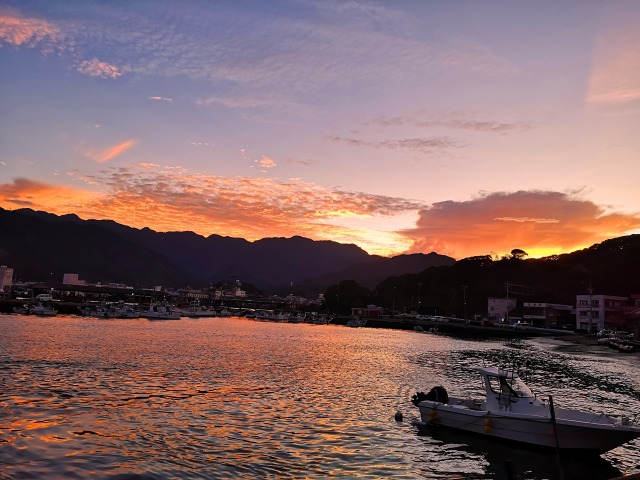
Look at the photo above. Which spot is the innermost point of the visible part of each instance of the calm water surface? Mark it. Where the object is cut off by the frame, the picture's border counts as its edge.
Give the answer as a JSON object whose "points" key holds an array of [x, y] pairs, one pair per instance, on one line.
{"points": [[235, 398]]}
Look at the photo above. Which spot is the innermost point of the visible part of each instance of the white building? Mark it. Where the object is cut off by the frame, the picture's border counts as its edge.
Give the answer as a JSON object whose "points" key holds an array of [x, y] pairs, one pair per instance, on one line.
{"points": [[598, 312], [6, 278], [499, 308]]}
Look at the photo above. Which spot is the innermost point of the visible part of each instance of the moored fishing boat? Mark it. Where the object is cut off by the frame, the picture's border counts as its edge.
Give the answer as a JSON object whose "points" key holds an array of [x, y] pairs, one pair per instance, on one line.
{"points": [[22, 310], [43, 310], [161, 311], [196, 310], [97, 310], [510, 411]]}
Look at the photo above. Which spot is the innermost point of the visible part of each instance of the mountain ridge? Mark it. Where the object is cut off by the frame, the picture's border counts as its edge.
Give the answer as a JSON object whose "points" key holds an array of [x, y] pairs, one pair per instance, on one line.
{"points": [[37, 244]]}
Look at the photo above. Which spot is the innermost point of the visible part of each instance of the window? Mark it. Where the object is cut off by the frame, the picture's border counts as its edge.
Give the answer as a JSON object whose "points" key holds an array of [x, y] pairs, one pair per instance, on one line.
{"points": [[513, 387]]}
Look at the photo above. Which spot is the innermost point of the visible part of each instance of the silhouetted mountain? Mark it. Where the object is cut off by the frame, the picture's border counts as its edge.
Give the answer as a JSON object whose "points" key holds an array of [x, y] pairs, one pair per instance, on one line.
{"points": [[40, 246], [375, 269]]}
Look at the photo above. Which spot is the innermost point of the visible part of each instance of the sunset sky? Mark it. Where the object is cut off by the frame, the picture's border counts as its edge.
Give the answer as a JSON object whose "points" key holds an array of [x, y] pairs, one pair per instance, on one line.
{"points": [[461, 127]]}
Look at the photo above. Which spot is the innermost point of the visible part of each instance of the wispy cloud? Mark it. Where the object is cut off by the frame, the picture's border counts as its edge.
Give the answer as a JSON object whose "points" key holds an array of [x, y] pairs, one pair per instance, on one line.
{"points": [[615, 75], [18, 30], [454, 121], [107, 154], [323, 50], [306, 163], [540, 222], [98, 68], [162, 99], [417, 144]]}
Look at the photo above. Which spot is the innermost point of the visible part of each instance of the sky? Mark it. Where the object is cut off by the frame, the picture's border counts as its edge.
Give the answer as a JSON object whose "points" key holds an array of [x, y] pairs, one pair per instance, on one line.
{"points": [[461, 127]]}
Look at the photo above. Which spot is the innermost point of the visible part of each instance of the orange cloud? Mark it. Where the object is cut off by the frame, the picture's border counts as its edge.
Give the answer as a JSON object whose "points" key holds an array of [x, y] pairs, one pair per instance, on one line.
{"points": [[25, 193], [16, 30], [541, 223], [266, 162], [110, 153], [173, 199], [97, 68]]}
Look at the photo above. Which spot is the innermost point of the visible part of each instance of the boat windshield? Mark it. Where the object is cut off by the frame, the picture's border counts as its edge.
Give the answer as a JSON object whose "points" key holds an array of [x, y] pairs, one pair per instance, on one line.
{"points": [[511, 386]]}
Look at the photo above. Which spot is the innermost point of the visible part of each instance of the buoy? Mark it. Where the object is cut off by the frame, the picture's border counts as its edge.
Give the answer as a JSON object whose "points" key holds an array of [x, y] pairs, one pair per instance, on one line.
{"points": [[433, 415], [398, 416], [487, 425]]}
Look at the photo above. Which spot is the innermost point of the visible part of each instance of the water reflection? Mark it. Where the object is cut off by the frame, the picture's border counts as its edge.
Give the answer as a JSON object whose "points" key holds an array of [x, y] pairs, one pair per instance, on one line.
{"points": [[504, 461], [224, 398]]}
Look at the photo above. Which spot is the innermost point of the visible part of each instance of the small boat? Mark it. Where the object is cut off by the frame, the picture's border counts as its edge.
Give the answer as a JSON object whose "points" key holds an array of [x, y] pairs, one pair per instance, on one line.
{"points": [[510, 411], [161, 311], [195, 310], [43, 310], [122, 310], [22, 310], [356, 322], [96, 310]]}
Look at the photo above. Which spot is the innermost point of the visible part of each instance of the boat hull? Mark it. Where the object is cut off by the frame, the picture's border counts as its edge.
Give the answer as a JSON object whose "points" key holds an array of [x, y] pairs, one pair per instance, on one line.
{"points": [[526, 429]]}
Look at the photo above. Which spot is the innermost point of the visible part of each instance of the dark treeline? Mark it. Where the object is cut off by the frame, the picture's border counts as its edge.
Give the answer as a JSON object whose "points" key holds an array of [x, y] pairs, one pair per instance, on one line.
{"points": [[611, 268]]}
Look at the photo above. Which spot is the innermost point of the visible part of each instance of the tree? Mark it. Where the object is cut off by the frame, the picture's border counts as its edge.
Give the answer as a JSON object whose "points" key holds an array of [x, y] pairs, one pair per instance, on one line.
{"points": [[518, 254]]}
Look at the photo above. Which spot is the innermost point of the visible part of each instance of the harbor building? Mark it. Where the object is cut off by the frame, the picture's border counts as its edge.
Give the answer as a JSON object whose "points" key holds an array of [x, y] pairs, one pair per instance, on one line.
{"points": [[499, 308], [549, 315], [599, 312]]}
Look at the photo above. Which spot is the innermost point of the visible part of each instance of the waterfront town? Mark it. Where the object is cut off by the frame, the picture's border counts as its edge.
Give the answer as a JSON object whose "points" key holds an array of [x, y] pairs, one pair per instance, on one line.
{"points": [[591, 313]]}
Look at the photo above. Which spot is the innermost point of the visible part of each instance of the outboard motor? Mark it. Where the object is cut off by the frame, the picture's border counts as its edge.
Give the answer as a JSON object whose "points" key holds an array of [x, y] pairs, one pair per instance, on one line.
{"points": [[436, 394]]}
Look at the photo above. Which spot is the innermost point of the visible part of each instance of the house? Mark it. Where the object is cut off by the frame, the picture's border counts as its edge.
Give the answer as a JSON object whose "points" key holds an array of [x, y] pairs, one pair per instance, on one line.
{"points": [[599, 312], [499, 309], [549, 315]]}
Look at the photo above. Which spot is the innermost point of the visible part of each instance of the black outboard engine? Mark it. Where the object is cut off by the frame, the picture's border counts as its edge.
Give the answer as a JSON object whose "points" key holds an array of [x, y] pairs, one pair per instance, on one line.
{"points": [[436, 394]]}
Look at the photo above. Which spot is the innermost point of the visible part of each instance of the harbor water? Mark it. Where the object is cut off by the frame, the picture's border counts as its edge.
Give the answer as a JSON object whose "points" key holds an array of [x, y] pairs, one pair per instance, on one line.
{"points": [[238, 398]]}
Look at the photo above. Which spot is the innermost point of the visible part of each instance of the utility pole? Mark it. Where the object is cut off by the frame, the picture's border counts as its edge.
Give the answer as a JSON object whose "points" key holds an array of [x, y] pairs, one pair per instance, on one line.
{"points": [[393, 304], [507, 314], [464, 299], [590, 309]]}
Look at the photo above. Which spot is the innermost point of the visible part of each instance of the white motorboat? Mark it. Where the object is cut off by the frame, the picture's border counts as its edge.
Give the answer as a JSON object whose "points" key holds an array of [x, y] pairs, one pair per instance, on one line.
{"points": [[510, 411]]}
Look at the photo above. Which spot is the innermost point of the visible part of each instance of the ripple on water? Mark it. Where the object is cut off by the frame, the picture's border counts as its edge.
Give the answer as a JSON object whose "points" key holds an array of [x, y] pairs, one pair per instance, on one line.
{"points": [[237, 398]]}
